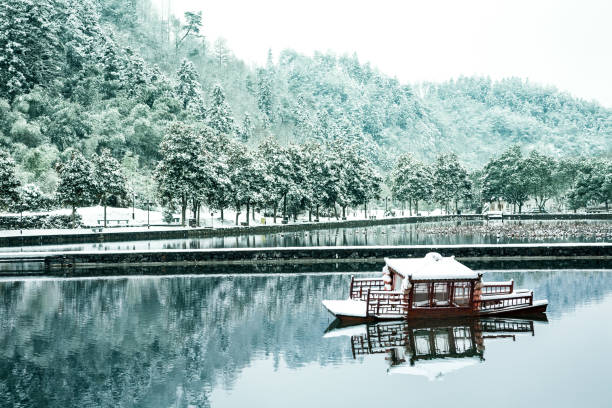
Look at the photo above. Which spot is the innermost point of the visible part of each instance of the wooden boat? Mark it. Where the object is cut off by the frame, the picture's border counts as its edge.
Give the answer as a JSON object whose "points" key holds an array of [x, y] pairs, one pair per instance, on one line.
{"points": [[430, 348], [431, 287]]}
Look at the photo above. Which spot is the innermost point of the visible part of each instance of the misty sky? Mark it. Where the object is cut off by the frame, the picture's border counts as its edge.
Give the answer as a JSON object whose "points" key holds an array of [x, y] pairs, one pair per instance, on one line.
{"points": [[561, 43]]}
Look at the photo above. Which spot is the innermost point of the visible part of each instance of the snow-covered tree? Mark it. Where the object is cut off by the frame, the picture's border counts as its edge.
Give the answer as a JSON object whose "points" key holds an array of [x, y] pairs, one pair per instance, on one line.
{"points": [[539, 177], [8, 180], [30, 50], [219, 114], [450, 180], [31, 198], [265, 96], [191, 28], [76, 183], [246, 130], [185, 168], [504, 177], [108, 177], [278, 168], [187, 88]]}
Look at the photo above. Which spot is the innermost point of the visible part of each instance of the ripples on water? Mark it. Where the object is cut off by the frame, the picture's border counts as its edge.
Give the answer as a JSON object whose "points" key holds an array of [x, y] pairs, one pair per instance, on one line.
{"points": [[259, 341]]}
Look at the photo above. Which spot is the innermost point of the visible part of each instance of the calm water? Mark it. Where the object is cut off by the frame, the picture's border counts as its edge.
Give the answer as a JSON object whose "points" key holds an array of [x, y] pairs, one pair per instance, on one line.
{"points": [[398, 234], [261, 341]]}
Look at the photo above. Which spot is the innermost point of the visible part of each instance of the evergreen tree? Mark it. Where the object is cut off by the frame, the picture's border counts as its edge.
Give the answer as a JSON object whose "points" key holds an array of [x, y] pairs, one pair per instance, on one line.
{"points": [[108, 178], [505, 178], [30, 51], [76, 183], [539, 177], [450, 180], [185, 169], [187, 88], [219, 114], [246, 130], [8, 181]]}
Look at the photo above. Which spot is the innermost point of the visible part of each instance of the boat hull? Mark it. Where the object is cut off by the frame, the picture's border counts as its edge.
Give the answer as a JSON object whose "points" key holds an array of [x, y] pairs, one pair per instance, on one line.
{"points": [[350, 312]]}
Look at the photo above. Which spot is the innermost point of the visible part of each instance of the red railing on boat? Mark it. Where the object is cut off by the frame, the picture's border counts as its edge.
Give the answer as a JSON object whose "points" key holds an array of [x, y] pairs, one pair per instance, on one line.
{"points": [[383, 302], [497, 288], [359, 287], [501, 303]]}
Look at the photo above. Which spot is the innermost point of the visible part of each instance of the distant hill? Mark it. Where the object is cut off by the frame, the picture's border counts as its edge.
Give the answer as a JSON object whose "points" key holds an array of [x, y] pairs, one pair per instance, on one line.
{"points": [[90, 74]]}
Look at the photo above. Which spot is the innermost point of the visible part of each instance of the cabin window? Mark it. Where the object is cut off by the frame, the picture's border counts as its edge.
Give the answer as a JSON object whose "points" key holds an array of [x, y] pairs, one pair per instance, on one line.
{"points": [[420, 295], [461, 295], [441, 294]]}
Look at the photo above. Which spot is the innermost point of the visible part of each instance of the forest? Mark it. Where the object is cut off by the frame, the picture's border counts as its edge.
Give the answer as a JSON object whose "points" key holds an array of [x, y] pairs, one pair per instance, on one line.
{"points": [[99, 97]]}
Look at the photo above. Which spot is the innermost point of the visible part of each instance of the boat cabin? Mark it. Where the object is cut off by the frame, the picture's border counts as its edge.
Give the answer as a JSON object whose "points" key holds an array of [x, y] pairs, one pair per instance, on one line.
{"points": [[433, 281]]}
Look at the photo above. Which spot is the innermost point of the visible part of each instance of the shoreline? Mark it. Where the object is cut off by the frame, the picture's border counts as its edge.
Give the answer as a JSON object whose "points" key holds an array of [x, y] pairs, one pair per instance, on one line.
{"points": [[82, 236]]}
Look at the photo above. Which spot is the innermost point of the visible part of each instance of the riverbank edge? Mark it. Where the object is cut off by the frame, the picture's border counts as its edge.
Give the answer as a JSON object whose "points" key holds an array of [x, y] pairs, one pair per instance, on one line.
{"points": [[202, 232], [64, 263]]}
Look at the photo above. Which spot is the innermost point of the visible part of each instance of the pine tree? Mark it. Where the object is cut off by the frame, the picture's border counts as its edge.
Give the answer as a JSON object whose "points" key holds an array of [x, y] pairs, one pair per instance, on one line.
{"points": [[264, 94], [8, 181], [30, 50], [246, 130], [76, 183], [108, 178], [219, 114], [188, 85]]}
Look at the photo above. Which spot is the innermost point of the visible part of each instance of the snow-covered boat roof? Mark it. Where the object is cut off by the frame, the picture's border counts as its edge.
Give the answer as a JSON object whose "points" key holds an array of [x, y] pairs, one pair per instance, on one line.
{"points": [[432, 267]]}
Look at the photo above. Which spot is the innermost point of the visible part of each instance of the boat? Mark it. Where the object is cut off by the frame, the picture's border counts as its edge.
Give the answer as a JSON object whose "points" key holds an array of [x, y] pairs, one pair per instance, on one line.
{"points": [[431, 287], [431, 348]]}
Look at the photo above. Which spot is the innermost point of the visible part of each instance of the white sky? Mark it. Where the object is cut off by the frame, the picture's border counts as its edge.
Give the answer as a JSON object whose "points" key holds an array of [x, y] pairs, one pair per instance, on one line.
{"points": [[567, 44]]}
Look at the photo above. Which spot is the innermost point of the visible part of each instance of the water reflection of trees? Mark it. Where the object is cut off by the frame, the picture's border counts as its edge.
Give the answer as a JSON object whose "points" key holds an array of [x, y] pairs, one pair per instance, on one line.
{"points": [[165, 341], [151, 342]]}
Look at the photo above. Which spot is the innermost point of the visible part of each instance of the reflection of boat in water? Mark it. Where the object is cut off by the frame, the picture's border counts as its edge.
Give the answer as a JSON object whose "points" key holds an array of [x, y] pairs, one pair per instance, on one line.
{"points": [[433, 286], [430, 348]]}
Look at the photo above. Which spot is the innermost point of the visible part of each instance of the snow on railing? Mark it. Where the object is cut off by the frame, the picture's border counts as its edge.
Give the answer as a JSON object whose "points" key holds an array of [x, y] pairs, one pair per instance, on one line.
{"points": [[358, 287], [497, 288], [503, 302]]}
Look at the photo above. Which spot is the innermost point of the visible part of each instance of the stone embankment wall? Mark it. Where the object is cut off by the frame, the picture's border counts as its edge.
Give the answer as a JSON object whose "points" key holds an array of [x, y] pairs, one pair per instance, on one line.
{"points": [[310, 254], [178, 233]]}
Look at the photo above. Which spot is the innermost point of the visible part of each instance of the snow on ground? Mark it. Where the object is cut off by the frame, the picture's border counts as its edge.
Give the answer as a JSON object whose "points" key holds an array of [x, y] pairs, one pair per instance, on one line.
{"points": [[121, 219]]}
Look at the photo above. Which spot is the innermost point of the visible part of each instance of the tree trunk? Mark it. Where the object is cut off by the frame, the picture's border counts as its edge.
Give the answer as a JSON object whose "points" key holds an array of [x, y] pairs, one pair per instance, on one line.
{"points": [[275, 207], [285, 206], [253, 213], [309, 214], [335, 212], [104, 202], [198, 214], [410, 206], [237, 213], [416, 207], [365, 210], [183, 209], [317, 219], [247, 211], [73, 215], [222, 216], [456, 206], [344, 212]]}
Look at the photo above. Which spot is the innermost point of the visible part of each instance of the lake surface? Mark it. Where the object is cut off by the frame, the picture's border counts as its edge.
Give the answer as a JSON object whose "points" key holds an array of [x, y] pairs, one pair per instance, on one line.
{"points": [[396, 234], [263, 341]]}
